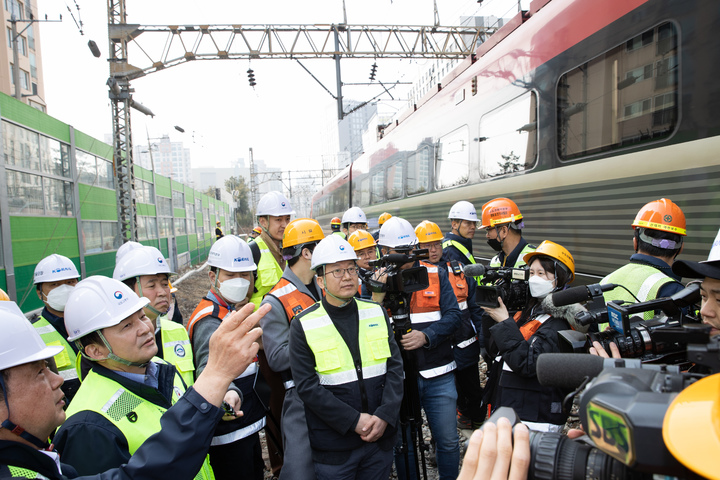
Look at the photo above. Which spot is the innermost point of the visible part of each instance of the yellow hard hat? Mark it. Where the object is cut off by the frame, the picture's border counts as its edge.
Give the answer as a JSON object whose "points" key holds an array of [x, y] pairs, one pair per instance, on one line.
{"points": [[361, 239], [384, 217], [4, 296], [555, 251], [301, 231], [691, 429], [428, 231]]}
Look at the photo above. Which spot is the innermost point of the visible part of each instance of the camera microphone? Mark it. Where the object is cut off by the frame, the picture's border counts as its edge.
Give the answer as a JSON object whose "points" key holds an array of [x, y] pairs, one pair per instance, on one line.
{"points": [[396, 258], [474, 270], [580, 294], [569, 370]]}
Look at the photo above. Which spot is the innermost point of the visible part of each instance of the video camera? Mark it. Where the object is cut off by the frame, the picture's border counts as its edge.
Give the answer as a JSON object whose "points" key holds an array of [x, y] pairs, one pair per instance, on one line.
{"points": [[621, 407], [510, 284], [410, 280], [661, 339]]}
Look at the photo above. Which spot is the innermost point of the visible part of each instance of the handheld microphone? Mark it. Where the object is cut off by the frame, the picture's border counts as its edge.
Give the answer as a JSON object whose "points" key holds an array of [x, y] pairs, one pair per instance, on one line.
{"points": [[474, 270], [580, 294], [569, 370]]}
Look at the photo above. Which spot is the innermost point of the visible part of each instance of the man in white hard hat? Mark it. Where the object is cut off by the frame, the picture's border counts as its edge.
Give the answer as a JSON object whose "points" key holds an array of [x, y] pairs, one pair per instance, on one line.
{"points": [[351, 417], [457, 244], [435, 317], [236, 450], [55, 276], [31, 406], [273, 215], [123, 396], [353, 219], [147, 273], [295, 292]]}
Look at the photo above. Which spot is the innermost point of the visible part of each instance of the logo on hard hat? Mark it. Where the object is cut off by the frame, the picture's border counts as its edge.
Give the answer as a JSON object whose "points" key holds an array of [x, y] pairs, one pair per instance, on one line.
{"points": [[282, 204], [667, 218], [342, 248], [179, 351], [62, 269], [160, 260], [404, 236], [118, 295], [37, 274], [241, 259]]}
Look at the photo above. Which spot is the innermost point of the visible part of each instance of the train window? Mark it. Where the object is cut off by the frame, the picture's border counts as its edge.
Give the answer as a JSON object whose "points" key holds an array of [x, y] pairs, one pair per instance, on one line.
{"points": [[377, 193], [508, 137], [58, 197], [605, 104], [394, 181], [361, 196], [418, 172], [25, 193], [453, 156]]}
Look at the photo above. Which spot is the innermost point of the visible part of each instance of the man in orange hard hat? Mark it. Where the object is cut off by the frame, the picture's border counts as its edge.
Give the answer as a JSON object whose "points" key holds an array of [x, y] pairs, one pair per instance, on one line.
{"points": [[659, 230]]}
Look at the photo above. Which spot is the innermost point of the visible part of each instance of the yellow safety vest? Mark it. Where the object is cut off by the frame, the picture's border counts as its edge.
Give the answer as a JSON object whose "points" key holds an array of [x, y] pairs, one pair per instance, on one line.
{"points": [[176, 348], [495, 262], [459, 246], [333, 360], [65, 360], [268, 273], [134, 416], [644, 281]]}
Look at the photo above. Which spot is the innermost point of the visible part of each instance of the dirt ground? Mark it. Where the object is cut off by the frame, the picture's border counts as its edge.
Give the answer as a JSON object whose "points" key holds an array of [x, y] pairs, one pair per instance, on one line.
{"points": [[195, 286]]}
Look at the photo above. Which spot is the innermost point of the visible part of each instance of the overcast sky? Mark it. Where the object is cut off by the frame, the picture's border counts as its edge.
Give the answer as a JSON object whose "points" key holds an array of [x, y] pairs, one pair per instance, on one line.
{"points": [[281, 119]]}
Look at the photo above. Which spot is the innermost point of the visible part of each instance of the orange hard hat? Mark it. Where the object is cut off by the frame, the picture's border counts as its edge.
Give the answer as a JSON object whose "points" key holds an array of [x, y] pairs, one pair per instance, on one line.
{"points": [[257, 230], [428, 231], [556, 252], [335, 221], [384, 217], [662, 215], [361, 239], [500, 211], [301, 231]]}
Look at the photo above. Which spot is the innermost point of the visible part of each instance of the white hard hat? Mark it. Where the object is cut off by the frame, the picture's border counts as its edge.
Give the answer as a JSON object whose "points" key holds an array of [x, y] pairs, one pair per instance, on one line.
{"points": [[125, 248], [231, 254], [332, 249], [463, 210], [20, 343], [141, 261], [354, 215], [397, 232], [99, 302], [274, 204], [54, 268]]}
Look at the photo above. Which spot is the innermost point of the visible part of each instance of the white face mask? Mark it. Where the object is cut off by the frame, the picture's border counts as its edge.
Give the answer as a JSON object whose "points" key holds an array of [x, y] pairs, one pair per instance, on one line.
{"points": [[539, 287], [234, 290], [58, 297]]}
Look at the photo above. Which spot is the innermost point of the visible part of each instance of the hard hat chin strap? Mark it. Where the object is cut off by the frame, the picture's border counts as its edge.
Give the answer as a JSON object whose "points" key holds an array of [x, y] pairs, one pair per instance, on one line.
{"points": [[16, 429], [148, 306], [111, 355], [344, 300]]}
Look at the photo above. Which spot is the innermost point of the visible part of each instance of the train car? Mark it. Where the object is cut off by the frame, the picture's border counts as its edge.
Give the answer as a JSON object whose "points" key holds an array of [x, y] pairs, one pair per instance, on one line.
{"points": [[581, 112]]}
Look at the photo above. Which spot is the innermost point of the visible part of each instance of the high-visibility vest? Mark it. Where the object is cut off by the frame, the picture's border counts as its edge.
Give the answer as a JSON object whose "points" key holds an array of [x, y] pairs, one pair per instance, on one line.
{"points": [[268, 273], [65, 360], [643, 280], [176, 348], [19, 472], [466, 334], [495, 262], [292, 299], [134, 416], [424, 310], [460, 247]]}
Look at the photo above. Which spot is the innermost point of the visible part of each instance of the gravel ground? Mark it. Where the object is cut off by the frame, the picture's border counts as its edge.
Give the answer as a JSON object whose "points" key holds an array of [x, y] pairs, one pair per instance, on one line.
{"points": [[195, 286]]}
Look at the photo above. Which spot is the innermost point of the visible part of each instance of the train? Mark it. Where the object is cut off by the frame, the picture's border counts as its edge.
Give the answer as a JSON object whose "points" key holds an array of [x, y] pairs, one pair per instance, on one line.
{"points": [[580, 111], [58, 196]]}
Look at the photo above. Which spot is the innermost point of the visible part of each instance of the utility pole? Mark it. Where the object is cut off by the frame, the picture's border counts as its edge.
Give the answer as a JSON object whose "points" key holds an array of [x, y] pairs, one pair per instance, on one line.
{"points": [[16, 53], [252, 181]]}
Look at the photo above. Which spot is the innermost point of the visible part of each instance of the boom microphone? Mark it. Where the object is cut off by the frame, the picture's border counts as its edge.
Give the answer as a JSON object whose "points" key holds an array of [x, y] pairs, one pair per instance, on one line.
{"points": [[569, 370], [580, 294], [474, 270]]}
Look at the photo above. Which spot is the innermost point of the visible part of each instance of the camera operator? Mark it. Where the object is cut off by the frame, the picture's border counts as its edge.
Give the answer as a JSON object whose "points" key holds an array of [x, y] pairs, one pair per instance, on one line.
{"points": [[435, 317], [658, 231], [521, 341]]}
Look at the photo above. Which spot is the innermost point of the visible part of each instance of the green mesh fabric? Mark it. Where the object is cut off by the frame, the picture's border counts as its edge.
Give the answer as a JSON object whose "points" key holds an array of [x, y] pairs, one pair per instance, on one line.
{"points": [[17, 472], [124, 404]]}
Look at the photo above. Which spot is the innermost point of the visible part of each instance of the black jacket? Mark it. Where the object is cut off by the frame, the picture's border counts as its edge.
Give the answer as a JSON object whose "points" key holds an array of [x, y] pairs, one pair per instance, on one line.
{"points": [[452, 253], [176, 450]]}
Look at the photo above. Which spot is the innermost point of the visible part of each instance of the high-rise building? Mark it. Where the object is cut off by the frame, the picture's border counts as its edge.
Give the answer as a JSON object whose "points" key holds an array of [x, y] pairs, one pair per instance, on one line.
{"points": [[350, 131], [29, 56], [170, 159]]}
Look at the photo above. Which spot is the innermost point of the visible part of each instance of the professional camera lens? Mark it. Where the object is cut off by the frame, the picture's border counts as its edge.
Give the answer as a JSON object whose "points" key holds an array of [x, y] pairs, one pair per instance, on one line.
{"points": [[556, 457]]}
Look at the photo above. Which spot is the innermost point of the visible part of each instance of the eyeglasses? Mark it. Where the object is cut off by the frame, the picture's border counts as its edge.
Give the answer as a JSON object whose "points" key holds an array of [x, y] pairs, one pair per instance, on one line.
{"points": [[340, 272]]}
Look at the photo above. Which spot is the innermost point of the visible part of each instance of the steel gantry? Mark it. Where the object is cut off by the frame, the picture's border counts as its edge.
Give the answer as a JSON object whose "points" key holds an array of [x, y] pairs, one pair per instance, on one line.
{"points": [[186, 43]]}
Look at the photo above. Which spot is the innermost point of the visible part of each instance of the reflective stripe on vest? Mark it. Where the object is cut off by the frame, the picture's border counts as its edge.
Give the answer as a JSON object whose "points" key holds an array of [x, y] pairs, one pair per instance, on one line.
{"points": [[176, 348], [239, 434], [333, 361], [19, 472], [134, 416], [208, 307], [437, 371], [425, 304], [644, 281], [292, 299], [459, 246], [467, 342], [268, 273], [65, 360]]}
